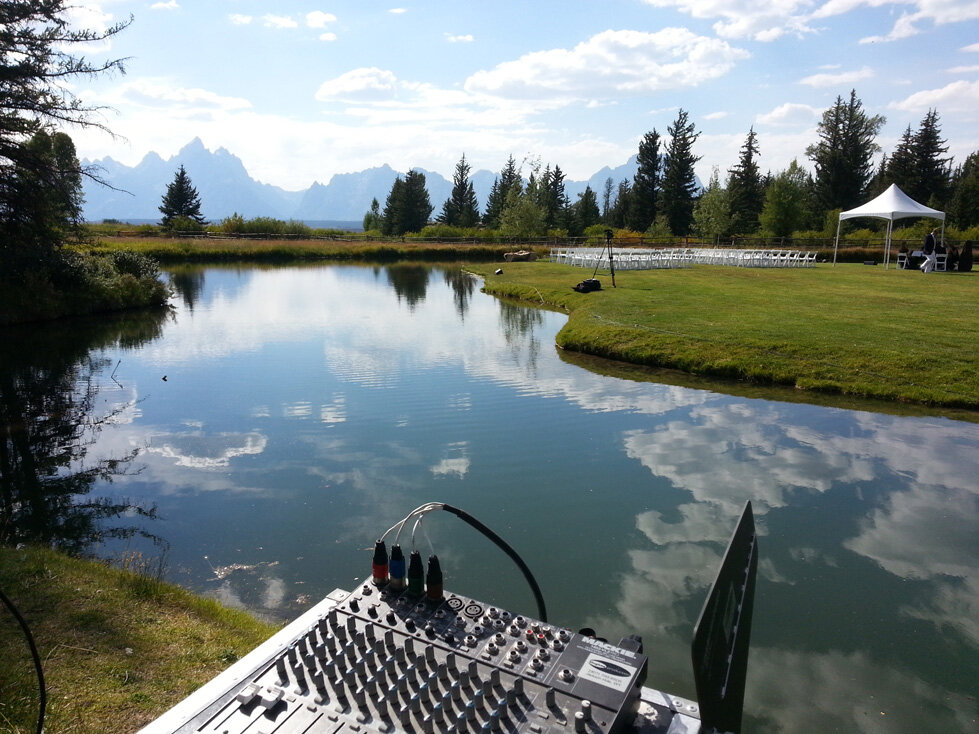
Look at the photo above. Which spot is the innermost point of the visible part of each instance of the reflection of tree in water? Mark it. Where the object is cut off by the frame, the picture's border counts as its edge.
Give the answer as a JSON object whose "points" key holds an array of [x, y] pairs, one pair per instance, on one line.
{"points": [[410, 282], [188, 281], [462, 285], [49, 382], [518, 324]]}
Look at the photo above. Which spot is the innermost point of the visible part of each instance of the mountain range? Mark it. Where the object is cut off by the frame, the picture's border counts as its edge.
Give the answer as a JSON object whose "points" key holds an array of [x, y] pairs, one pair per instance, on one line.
{"points": [[225, 187]]}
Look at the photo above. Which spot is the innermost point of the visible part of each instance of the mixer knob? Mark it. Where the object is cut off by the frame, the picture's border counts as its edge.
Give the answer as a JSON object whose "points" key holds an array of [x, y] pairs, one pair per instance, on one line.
{"points": [[430, 630], [390, 618], [410, 646], [410, 624], [579, 722], [549, 696], [586, 710], [372, 611], [354, 605]]}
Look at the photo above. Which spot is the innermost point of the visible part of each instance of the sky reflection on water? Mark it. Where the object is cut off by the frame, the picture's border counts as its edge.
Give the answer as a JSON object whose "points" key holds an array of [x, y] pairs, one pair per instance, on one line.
{"points": [[305, 410]]}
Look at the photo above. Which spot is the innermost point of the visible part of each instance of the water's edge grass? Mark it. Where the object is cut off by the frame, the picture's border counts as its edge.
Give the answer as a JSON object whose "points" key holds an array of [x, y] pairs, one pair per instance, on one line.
{"points": [[849, 330], [118, 648]]}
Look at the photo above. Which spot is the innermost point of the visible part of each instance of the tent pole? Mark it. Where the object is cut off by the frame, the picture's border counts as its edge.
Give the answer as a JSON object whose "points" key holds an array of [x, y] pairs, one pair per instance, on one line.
{"points": [[836, 244], [887, 243]]}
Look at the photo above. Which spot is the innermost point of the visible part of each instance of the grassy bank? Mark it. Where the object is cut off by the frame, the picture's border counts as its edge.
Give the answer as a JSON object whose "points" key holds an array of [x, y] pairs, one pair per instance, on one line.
{"points": [[118, 648], [850, 329], [216, 250]]}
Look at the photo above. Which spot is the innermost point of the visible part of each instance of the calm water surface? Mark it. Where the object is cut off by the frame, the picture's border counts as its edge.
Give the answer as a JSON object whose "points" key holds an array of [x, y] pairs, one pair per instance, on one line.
{"points": [[283, 418]]}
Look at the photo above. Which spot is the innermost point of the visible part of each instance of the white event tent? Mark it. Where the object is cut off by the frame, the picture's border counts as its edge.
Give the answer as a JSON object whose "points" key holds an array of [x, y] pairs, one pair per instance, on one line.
{"points": [[892, 204]]}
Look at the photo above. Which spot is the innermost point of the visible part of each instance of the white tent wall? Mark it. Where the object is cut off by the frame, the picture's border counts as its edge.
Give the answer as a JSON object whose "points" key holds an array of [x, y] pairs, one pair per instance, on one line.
{"points": [[890, 205]]}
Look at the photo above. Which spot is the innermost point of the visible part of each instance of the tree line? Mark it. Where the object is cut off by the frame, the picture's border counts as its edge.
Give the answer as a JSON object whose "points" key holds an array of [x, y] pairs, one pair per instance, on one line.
{"points": [[663, 198]]}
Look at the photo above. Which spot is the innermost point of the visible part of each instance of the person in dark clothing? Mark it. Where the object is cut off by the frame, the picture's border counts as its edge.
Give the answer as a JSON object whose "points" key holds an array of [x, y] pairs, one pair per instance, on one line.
{"points": [[928, 250]]}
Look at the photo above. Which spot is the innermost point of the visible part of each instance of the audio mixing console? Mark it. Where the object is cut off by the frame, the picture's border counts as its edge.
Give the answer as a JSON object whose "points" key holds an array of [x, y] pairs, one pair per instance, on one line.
{"points": [[392, 658]]}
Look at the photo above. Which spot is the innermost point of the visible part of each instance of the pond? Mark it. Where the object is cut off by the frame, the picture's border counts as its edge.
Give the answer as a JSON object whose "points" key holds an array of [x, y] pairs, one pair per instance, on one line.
{"points": [[254, 443]]}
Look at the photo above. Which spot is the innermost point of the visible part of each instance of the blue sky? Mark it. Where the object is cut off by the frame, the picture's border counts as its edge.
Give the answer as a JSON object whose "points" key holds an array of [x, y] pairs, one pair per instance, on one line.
{"points": [[303, 90]]}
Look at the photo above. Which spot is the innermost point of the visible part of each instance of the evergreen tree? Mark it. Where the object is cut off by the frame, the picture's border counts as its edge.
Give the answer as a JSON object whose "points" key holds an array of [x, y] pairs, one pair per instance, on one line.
{"points": [[553, 199], [508, 178], [645, 184], [393, 209], [787, 201], [618, 215], [964, 209], [408, 207], [38, 71], [44, 203], [461, 209], [745, 191], [181, 200], [585, 212], [902, 168], [934, 169], [711, 213], [843, 157], [679, 179]]}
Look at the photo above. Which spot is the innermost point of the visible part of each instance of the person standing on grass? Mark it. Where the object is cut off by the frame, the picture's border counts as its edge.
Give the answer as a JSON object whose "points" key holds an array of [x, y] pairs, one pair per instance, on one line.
{"points": [[929, 252]]}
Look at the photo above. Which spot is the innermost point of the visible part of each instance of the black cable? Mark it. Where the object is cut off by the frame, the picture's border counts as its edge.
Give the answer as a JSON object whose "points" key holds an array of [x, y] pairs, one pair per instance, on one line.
{"points": [[37, 660], [505, 547]]}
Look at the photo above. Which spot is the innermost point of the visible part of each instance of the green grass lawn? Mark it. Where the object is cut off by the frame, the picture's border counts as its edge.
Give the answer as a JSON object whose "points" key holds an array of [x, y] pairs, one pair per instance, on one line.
{"points": [[849, 329], [118, 649]]}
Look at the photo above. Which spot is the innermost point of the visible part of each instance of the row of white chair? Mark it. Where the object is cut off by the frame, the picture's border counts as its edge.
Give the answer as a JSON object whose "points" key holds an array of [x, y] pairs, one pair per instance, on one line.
{"points": [[627, 258]]}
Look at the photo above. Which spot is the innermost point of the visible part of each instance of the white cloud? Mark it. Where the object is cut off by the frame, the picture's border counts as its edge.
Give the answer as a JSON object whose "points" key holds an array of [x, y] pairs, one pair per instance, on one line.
{"points": [[963, 70], [160, 93], [319, 19], [363, 84], [767, 21], [468, 38], [611, 64], [971, 48], [957, 97], [171, 5], [761, 20], [238, 19], [716, 115], [834, 80], [903, 28], [790, 114], [328, 36], [398, 11], [279, 21]]}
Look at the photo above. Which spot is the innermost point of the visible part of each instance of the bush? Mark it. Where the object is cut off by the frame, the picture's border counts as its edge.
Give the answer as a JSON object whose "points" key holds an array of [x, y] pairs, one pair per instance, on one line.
{"points": [[136, 264], [185, 224]]}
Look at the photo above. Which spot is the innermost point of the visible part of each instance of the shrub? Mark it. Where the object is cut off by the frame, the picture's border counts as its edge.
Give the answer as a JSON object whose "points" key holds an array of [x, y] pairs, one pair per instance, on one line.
{"points": [[135, 263], [185, 224]]}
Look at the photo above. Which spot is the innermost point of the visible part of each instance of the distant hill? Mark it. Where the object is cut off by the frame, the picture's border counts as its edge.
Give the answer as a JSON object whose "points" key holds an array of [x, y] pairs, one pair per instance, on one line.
{"points": [[225, 187]]}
